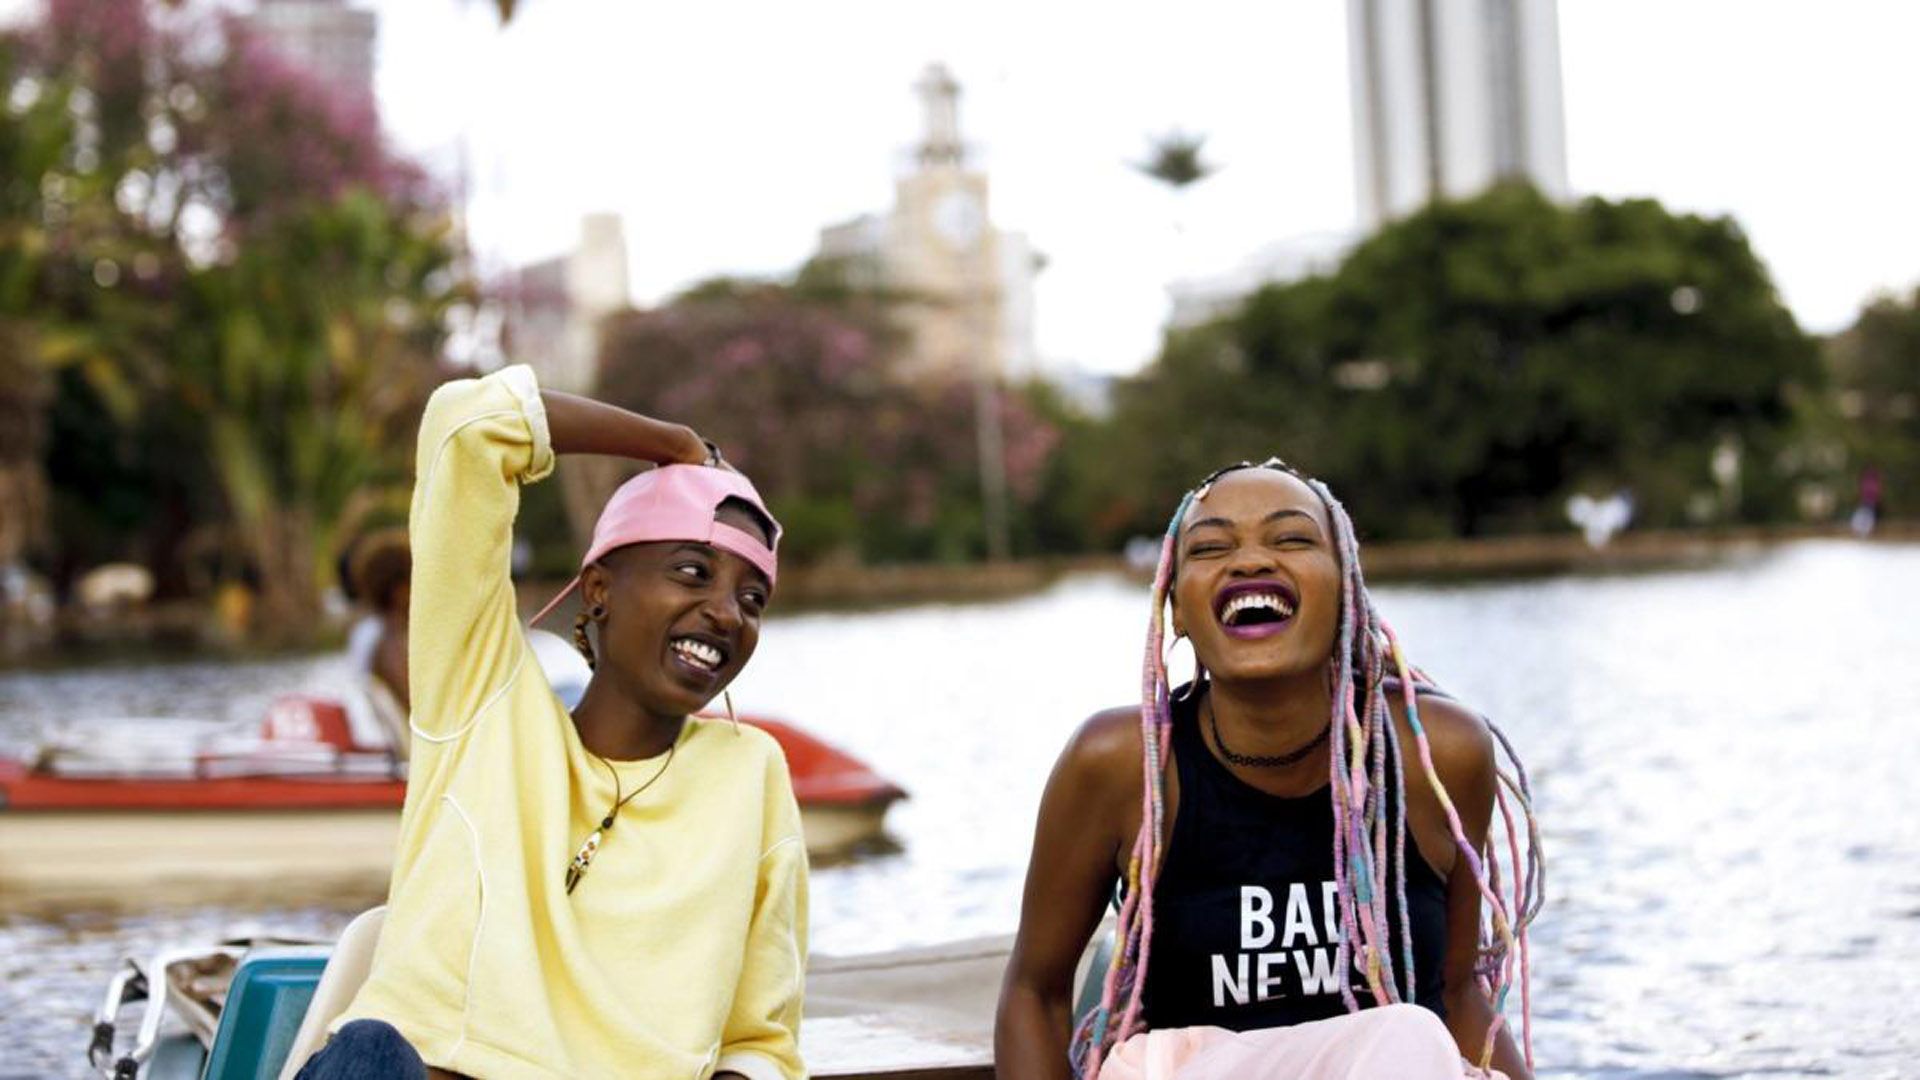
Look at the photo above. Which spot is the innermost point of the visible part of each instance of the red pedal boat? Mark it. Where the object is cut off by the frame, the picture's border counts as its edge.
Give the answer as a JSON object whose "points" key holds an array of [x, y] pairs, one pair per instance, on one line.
{"points": [[166, 811]]}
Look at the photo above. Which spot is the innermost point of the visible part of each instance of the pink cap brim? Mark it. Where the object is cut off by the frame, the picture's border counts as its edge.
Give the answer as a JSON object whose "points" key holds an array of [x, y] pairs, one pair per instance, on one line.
{"points": [[677, 502]]}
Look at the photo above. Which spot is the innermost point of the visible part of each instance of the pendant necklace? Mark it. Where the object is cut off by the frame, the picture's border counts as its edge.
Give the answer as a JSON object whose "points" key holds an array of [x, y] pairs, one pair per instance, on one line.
{"points": [[583, 858]]}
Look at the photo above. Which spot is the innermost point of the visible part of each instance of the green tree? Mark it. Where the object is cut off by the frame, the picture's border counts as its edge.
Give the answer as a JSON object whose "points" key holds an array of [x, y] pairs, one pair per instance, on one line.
{"points": [[308, 357], [229, 283], [33, 132], [1467, 368], [1174, 160], [1876, 371]]}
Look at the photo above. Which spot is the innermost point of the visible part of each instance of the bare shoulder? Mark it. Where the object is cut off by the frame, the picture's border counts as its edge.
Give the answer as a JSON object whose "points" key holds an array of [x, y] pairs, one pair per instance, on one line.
{"points": [[1461, 742], [1108, 738], [1102, 761]]}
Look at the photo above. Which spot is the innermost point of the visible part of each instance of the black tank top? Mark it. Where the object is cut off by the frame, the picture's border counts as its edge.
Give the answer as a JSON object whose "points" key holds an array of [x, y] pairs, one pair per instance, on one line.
{"points": [[1245, 921]]}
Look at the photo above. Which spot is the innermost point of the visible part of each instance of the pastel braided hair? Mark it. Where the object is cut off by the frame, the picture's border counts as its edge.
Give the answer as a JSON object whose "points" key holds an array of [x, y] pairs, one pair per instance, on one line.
{"points": [[1370, 830]]}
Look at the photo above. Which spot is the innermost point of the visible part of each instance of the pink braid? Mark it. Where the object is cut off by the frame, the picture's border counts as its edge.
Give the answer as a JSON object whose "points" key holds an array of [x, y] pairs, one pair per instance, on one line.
{"points": [[1363, 740]]}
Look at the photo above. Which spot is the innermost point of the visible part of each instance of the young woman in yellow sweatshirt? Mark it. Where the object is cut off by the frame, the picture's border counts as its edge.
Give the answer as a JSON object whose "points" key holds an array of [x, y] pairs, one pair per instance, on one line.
{"points": [[615, 892]]}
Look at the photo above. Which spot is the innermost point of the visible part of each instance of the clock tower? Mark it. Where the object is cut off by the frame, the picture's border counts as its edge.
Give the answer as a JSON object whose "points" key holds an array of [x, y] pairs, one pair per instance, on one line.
{"points": [[967, 287]]}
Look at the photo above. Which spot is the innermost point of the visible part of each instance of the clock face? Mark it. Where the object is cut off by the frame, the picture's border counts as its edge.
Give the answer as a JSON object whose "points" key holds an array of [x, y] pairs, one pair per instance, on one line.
{"points": [[959, 218]]}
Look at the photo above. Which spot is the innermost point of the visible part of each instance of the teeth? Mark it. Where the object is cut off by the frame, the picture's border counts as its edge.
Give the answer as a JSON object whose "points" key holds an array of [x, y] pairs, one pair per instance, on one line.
{"points": [[1270, 601], [698, 652]]}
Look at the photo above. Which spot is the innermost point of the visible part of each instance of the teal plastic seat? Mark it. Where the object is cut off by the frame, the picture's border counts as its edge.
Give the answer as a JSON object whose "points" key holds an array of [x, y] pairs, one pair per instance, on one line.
{"points": [[265, 1004]]}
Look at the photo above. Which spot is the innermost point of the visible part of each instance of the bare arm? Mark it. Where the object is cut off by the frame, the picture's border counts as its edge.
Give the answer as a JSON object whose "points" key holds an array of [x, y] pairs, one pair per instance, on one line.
{"points": [[1083, 818], [1463, 756], [580, 425]]}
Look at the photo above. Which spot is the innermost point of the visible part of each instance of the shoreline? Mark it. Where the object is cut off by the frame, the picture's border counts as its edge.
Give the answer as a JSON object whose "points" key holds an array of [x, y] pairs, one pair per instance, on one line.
{"points": [[1556, 553], [180, 630], [1485, 558]]}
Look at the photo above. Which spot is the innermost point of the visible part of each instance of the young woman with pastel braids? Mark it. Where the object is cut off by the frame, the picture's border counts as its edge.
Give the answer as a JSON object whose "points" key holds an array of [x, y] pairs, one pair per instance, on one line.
{"points": [[1301, 835]]}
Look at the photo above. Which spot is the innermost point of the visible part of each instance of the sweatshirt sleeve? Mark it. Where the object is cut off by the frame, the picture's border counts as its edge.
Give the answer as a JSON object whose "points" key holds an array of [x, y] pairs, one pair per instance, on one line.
{"points": [[762, 1036], [480, 439]]}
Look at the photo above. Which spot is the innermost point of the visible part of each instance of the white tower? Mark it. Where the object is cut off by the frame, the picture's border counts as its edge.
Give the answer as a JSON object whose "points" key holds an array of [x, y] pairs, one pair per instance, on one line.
{"points": [[967, 286], [1450, 96], [940, 101]]}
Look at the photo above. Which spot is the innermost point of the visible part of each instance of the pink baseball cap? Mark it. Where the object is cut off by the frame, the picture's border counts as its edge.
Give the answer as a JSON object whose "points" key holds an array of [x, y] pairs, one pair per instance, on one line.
{"points": [[677, 502]]}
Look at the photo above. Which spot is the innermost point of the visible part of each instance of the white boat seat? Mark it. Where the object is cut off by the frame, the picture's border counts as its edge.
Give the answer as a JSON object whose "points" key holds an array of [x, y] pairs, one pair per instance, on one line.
{"points": [[920, 1014], [346, 970]]}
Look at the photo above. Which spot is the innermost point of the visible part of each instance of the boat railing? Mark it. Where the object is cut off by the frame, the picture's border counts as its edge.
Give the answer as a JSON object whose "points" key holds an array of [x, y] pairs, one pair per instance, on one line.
{"points": [[155, 985]]}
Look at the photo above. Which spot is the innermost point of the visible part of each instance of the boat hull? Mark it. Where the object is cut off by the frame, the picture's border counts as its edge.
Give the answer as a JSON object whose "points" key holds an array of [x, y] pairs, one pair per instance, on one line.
{"points": [[139, 841], [58, 859]]}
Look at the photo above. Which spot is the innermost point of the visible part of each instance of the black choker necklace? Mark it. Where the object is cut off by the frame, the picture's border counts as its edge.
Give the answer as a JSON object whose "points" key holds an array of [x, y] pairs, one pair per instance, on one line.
{"points": [[1264, 761]]}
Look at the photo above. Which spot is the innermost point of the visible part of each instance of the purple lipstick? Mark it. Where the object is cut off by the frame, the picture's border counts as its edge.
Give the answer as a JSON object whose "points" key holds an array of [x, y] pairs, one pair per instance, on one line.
{"points": [[1255, 609]]}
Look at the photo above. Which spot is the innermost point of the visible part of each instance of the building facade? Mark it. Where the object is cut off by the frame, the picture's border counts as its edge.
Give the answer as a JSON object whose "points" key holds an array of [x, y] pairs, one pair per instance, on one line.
{"points": [[556, 305], [1451, 96]]}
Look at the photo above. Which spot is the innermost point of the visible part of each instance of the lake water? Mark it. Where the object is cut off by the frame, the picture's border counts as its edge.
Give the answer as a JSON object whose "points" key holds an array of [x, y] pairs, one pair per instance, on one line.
{"points": [[1722, 760]]}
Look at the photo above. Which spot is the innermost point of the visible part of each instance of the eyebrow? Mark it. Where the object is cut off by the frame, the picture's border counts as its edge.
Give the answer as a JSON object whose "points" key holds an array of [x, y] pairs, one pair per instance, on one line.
{"points": [[696, 547], [1223, 523]]}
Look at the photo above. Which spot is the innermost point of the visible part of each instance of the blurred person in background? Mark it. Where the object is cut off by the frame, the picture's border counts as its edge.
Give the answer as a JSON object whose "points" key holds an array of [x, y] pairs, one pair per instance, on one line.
{"points": [[1866, 513], [380, 570]]}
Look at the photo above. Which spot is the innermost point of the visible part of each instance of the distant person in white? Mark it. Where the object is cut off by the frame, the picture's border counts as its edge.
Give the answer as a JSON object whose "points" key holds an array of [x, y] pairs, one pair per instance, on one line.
{"points": [[377, 703], [381, 573]]}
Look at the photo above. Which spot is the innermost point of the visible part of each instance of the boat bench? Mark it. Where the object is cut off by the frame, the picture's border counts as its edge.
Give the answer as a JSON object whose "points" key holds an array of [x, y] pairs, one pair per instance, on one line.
{"points": [[920, 1014], [268, 1002]]}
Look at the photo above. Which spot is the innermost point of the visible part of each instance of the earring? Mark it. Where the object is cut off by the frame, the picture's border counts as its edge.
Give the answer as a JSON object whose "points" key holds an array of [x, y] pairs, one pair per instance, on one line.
{"points": [[1198, 669], [598, 613], [1193, 687], [727, 696]]}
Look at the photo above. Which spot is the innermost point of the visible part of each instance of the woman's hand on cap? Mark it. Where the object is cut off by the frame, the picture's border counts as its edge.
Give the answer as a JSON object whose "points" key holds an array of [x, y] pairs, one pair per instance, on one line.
{"points": [[714, 458], [580, 425]]}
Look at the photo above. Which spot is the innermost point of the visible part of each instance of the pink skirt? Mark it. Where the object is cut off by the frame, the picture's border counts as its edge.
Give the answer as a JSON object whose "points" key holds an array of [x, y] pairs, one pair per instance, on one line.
{"points": [[1394, 1042]]}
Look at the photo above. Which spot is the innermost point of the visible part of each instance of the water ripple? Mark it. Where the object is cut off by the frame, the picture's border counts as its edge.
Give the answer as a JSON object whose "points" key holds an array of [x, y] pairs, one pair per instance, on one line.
{"points": [[1721, 758]]}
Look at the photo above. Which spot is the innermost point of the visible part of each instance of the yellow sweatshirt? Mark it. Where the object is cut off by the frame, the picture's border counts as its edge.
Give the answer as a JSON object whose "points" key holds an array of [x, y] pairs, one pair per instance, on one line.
{"points": [[682, 951]]}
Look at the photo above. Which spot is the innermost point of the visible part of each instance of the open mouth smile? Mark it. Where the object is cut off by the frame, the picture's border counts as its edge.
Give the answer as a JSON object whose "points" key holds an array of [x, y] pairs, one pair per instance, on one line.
{"points": [[699, 654], [1255, 609]]}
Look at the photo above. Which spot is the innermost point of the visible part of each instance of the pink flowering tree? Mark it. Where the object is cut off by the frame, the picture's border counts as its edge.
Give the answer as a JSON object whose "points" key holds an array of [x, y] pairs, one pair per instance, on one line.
{"points": [[801, 392], [221, 259]]}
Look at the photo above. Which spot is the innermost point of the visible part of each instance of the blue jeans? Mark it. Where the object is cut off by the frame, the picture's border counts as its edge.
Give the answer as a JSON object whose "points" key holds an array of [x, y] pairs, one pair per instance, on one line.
{"points": [[365, 1050]]}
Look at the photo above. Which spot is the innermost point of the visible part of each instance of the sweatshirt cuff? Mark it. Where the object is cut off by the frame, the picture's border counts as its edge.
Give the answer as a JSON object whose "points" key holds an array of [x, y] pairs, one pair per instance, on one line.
{"points": [[526, 389], [751, 1064]]}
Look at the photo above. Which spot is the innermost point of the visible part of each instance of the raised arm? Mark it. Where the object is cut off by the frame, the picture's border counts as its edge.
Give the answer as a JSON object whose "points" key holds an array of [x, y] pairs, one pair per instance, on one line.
{"points": [[584, 426], [1090, 804], [480, 440]]}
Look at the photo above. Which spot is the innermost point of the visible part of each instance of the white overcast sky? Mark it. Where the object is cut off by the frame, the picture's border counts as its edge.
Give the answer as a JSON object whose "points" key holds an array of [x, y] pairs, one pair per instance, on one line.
{"points": [[727, 132]]}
